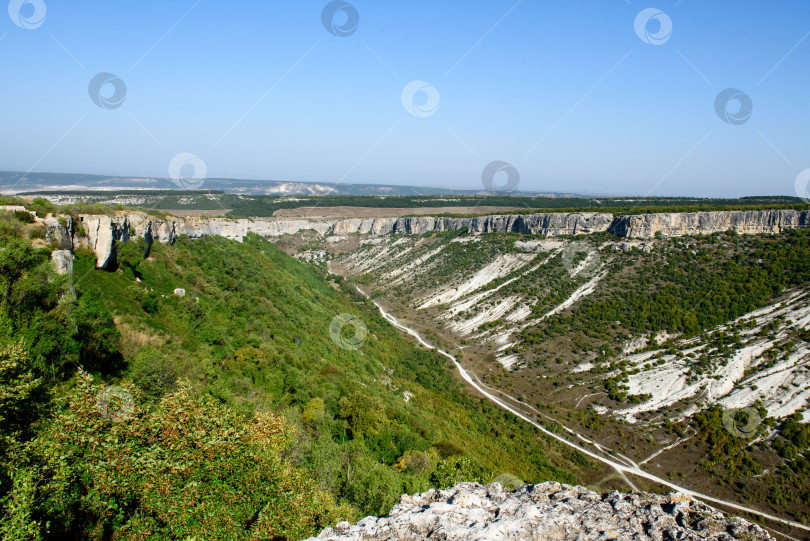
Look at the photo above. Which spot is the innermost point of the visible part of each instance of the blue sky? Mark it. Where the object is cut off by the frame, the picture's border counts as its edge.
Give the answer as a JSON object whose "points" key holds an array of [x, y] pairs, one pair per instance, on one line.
{"points": [[565, 91]]}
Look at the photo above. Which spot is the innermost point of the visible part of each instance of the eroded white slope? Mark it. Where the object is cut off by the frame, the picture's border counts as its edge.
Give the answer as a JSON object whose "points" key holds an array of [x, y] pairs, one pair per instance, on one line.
{"points": [[503, 339], [503, 265], [472, 302], [583, 291], [496, 312], [738, 378], [372, 256], [403, 273]]}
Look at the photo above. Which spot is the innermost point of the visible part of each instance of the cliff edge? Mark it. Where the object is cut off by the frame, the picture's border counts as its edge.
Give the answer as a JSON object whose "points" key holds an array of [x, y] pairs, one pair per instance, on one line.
{"points": [[101, 232], [646, 226]]}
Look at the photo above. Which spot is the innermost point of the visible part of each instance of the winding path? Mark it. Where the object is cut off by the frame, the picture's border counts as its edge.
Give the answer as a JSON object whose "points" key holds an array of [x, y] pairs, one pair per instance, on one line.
{"points": [[622, 469]]}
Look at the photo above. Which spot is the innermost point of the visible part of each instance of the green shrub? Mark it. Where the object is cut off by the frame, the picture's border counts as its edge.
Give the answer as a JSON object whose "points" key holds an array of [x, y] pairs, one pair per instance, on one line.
{"points": [[37, 233], [129, 255], [42, 206], [153, 372], [24, 217], [457, 469]]}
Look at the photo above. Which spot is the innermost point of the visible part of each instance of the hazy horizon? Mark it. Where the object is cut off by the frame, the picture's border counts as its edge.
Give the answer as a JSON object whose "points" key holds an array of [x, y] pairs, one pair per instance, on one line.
{"points": [[519, 191]]}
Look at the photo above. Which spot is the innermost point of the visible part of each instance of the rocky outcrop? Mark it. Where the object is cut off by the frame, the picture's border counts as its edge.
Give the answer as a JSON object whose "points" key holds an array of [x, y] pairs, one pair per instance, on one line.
{"points": [[100, 236], [60, 231], [646, 226], [545, 512], [62, 261], [13, 208], [16, 208], [549, 225], [102, 232], [625, 247]]}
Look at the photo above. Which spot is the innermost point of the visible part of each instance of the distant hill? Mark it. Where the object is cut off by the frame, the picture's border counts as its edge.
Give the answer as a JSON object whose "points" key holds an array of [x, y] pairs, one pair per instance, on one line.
{"points": [[12, 182]]}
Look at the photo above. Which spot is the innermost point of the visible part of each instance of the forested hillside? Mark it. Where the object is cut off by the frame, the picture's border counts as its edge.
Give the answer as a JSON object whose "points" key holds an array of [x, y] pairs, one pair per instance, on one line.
{"points": [[224, 391]]}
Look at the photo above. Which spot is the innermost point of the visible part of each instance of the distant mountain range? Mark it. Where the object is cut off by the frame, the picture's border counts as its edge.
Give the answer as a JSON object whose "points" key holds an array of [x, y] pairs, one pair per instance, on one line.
{"points": [[13, 182]]}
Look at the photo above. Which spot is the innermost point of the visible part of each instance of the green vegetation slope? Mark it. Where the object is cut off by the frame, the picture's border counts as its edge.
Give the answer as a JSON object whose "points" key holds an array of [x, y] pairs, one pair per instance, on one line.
{"points": [[130, 412]]}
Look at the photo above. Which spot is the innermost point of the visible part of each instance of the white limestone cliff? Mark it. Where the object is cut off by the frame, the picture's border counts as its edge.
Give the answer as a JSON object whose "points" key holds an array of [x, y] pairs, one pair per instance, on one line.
{"points": [[102, 231]]}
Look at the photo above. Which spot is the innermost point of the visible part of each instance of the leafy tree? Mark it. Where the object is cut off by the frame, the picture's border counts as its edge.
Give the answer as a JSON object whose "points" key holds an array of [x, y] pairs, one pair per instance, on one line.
{"points": [[365, 414], [21, 402], [97, 335], [375, 487], [20, 397], [417, 462], [42, 206], [37, 305], [17, 256], [314, 411], [153, 372]]}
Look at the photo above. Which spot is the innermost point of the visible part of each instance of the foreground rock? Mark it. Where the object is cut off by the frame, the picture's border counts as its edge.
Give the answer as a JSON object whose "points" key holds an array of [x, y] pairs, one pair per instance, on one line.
{"points": [[548, 511]]}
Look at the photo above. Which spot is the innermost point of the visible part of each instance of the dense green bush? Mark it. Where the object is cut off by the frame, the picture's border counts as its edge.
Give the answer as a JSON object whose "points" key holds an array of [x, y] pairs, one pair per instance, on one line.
{"points": [[153, 372], [186, 467], [24, 217], [365, 414]]}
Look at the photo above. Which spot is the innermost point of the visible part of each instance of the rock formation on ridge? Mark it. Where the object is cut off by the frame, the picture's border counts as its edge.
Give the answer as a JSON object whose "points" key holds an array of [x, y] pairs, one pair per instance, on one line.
{"points": [[545, 512]]}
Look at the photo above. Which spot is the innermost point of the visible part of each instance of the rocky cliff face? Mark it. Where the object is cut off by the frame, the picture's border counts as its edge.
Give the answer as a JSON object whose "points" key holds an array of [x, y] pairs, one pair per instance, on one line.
{"points": [[531, 224], [549, 225], [545, 512], [60, 231], [702, 223], [101, 232]]}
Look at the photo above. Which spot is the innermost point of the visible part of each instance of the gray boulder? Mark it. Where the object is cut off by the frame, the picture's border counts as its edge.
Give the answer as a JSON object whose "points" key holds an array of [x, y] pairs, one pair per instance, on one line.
{"points": [[62, 261]]}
